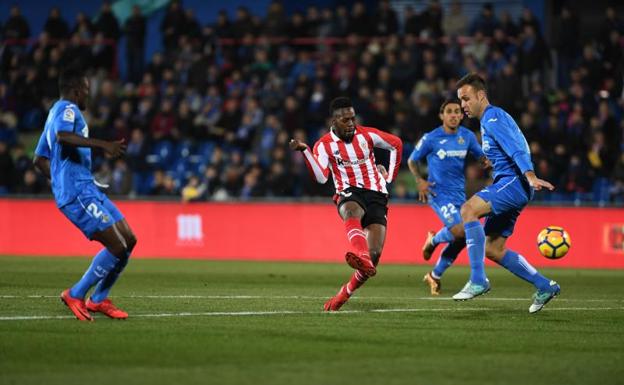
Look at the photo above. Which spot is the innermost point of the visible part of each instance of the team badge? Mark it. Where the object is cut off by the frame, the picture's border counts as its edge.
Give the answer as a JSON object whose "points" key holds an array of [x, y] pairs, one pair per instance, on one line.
{"points": [[461, 140]]}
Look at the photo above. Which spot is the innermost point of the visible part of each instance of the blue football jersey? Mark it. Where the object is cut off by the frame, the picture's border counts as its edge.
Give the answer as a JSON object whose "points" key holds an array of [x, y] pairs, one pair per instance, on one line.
{"points": [[504, 144], [446, 155], [70, 167]]}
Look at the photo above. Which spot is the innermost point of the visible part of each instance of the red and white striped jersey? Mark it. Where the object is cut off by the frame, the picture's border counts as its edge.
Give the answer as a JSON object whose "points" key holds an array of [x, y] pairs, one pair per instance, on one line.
{"points": [[353, 164]]}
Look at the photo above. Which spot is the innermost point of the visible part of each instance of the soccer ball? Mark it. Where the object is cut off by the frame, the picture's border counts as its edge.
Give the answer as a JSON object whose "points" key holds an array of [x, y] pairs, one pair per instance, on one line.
{"points": [[553, 242]]}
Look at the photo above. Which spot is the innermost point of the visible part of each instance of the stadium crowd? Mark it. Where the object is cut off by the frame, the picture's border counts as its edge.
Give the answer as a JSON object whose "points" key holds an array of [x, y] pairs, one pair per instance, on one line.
{"points": [[209, 117]]}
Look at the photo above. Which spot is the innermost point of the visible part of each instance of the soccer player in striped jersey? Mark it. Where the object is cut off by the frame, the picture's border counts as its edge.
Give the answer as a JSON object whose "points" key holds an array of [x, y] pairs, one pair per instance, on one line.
{"points": [[361, 194], [445, 149], [502, 202]]}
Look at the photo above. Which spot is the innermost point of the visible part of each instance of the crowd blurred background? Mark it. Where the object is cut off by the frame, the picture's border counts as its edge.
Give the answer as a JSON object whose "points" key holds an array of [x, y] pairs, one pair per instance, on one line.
{"points": [[209, 116]]}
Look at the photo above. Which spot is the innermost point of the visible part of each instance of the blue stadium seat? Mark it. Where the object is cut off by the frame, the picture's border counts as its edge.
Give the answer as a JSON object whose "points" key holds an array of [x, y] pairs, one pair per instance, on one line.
{"points": [[161, 154]]}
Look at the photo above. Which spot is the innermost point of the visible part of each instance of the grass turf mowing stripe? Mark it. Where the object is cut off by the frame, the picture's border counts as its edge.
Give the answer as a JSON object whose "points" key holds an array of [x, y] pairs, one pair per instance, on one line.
{"points": [[294, 312], [306, 297]]}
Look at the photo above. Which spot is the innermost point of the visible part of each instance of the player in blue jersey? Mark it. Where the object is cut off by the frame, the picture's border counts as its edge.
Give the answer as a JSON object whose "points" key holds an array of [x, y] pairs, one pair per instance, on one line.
{"points": [[501, 203], [445, 149], [63, 154]]}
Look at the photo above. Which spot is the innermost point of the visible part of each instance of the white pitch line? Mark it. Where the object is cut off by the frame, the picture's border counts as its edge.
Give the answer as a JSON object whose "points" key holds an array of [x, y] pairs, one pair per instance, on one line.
{"points": [[295, 312], [490, 298]]}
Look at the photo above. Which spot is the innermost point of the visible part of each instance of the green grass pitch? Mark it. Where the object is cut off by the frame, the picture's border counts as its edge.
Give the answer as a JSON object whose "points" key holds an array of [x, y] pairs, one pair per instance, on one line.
{"points": [[209, 322]]}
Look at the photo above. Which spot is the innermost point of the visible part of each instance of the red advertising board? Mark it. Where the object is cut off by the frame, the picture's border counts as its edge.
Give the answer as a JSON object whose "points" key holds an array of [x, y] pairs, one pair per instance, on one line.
{"points": [[293, 231]]}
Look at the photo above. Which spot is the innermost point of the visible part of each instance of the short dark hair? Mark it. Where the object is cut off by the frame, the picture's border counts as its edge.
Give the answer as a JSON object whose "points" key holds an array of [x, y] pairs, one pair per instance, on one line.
{"points": [[449, 101], [69, 79], [338, 103], [474, 80]]}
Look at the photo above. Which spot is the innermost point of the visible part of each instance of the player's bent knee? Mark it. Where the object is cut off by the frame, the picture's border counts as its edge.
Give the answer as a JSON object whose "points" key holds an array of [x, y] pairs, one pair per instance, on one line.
{"points": [[458, 231], [132, 241], [118, 251], [375, 255], [468, 213], [494, 253]]}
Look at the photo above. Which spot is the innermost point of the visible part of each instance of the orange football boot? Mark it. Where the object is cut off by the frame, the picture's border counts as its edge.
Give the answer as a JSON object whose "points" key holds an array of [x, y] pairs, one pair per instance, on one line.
{"points": [[361, 262], [76, 305], [336, 302], [107, 308]]}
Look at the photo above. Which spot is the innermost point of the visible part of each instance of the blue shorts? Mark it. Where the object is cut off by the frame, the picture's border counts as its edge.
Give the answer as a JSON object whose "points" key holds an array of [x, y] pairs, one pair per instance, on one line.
{"points": [[508, 196], [92, 212], [447, 209]]}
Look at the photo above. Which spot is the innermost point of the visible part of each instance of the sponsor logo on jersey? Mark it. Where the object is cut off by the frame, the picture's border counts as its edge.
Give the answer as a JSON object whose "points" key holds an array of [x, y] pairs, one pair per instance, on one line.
{"points": [[348, 162], [451, 153]]}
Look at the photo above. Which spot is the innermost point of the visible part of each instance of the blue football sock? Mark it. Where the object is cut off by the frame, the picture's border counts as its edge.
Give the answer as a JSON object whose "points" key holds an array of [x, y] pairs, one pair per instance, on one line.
{"points": [[448, 256], [475, 241], [104, 286], [443, 236], [516, 263], [102, 264]]}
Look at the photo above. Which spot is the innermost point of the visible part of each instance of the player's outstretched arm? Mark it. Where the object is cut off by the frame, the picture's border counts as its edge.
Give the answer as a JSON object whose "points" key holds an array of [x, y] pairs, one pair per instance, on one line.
{"points": [[112, 149], [296, 145], [316, 163], [43, 165], [538, 183]]}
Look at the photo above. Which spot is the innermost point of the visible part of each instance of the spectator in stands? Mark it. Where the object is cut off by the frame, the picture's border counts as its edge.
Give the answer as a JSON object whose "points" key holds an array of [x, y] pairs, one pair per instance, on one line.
{"points": [[385, 19], [431, 20], [455, 22], [486, 21], [229, 98], [107, 23], [16, 26], [56, 26], [7, 169], [134, 29]]}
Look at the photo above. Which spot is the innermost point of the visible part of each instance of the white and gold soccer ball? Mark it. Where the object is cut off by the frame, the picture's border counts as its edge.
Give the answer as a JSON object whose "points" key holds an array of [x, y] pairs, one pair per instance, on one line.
{"points": [[553, 242]]}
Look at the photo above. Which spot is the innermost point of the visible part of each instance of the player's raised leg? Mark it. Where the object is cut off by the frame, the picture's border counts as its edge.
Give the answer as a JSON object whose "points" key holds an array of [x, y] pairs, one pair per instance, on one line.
{"points": [[478, 284], [444, 235], [456, 241], [446, 259], [358, 257], [546, 289], [376, 236]]}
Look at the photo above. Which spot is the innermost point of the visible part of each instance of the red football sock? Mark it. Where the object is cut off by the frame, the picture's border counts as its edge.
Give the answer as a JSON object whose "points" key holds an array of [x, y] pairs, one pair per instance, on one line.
{"points": [[357, 280], [356, 235]]}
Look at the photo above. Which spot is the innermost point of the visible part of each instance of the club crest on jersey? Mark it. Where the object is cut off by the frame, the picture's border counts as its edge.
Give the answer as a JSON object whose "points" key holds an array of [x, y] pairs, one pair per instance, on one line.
{"points": [[69, 115], [461, 140]]}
